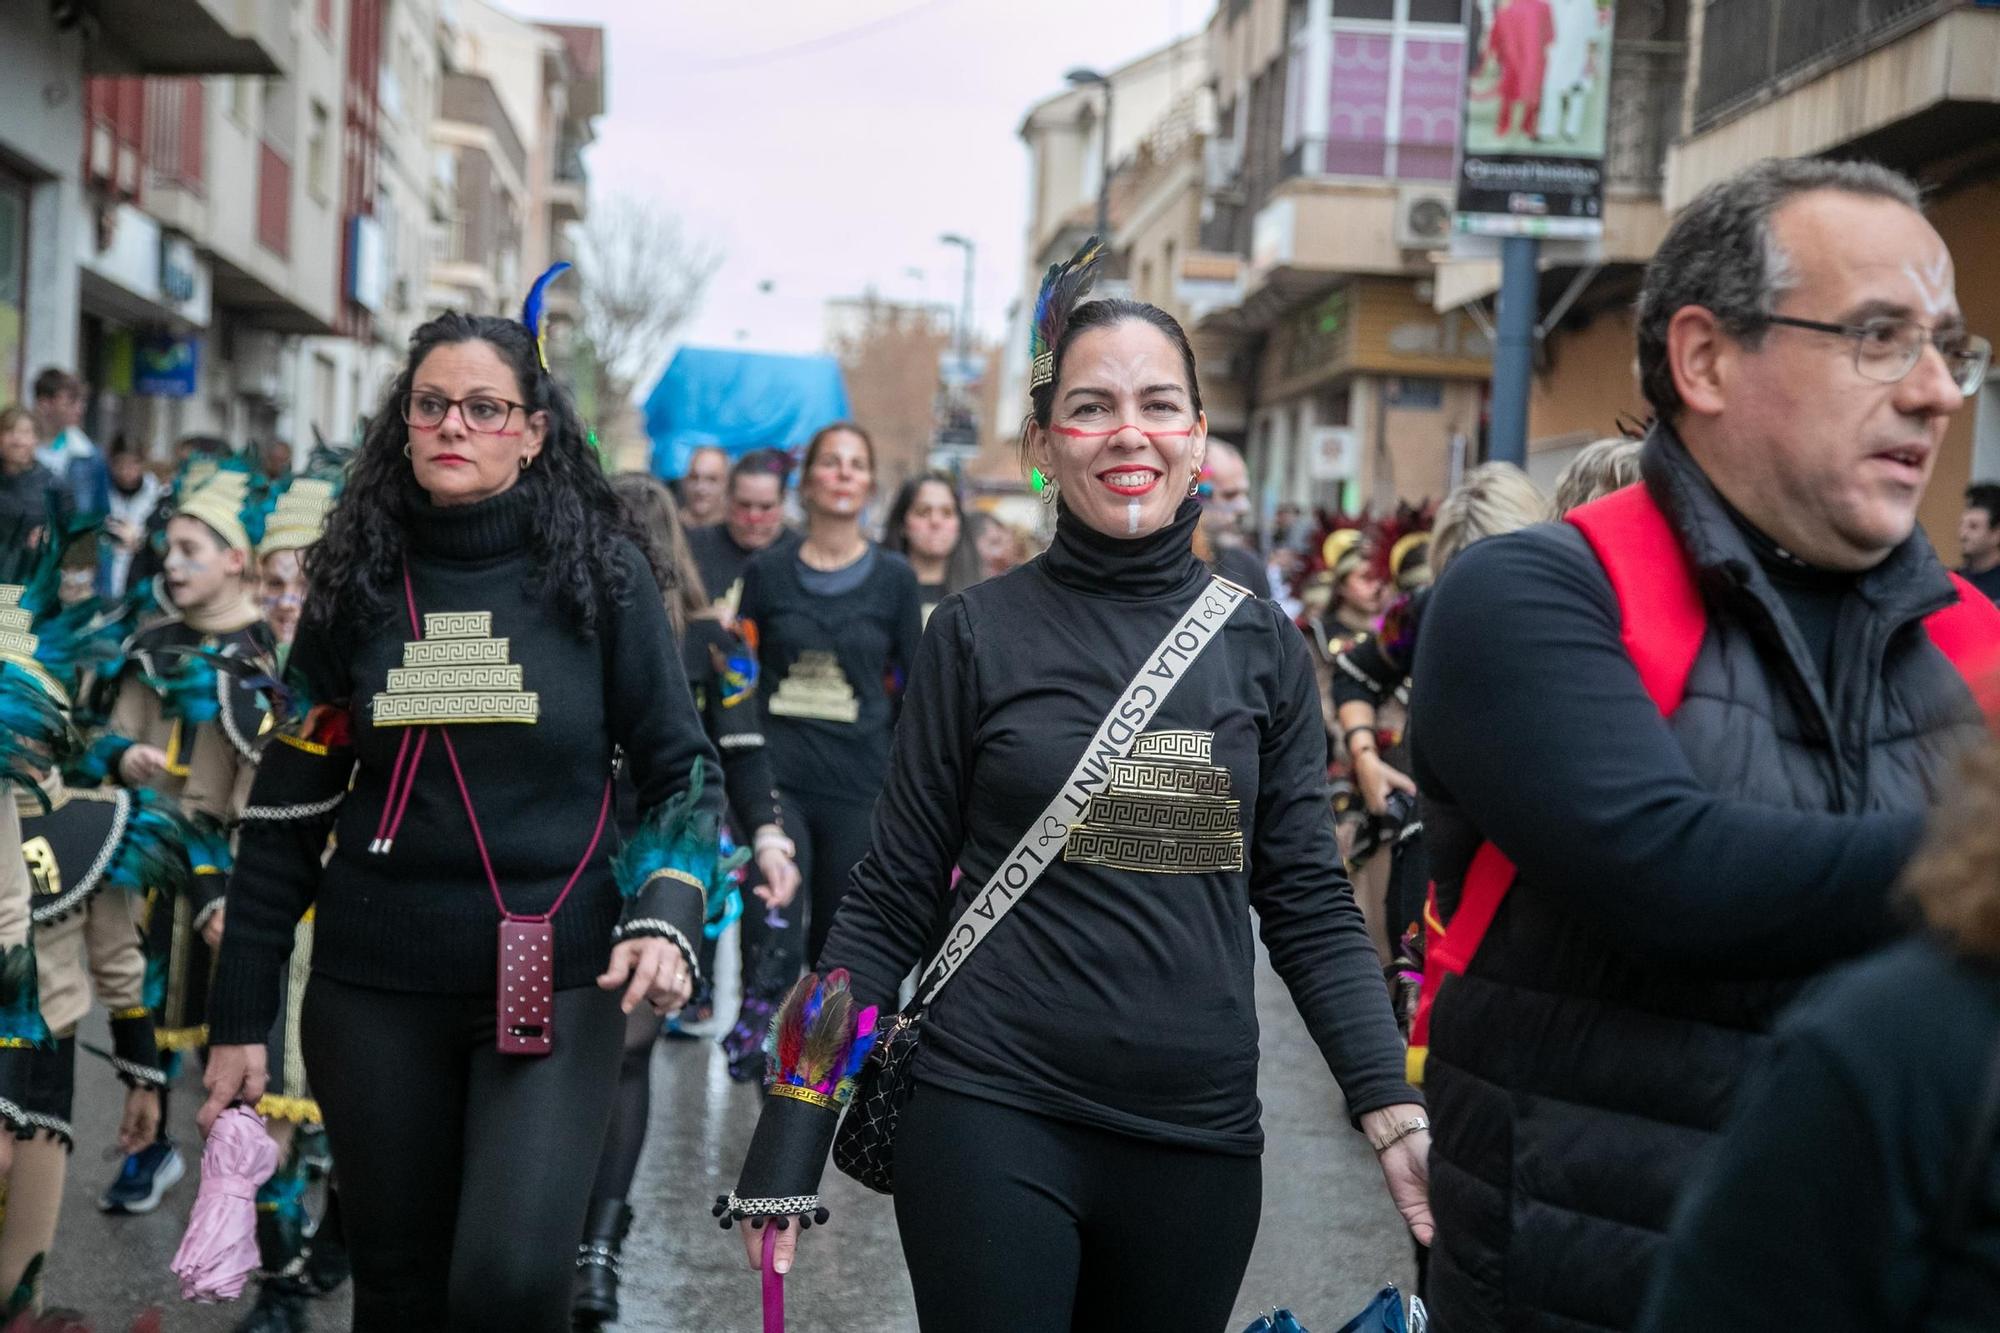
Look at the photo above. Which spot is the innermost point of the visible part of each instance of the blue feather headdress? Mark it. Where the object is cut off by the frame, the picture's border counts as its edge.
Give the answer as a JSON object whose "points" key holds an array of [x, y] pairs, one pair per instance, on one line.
{"points": [[531, 310], [1063, 289]]}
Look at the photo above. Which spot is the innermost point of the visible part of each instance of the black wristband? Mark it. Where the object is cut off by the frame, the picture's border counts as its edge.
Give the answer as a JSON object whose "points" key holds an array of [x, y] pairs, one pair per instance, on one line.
{"points": [[1347, 737]]}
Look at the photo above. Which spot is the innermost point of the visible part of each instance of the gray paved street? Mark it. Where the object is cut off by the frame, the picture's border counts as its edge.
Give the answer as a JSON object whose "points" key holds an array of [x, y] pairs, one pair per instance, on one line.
{"points": [[1330, 1237]]}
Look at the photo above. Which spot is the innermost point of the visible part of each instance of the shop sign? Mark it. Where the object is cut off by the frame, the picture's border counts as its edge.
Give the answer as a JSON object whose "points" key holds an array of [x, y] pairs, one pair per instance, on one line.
{"points": [[1536, 106], [164, 366], [177, 268]]}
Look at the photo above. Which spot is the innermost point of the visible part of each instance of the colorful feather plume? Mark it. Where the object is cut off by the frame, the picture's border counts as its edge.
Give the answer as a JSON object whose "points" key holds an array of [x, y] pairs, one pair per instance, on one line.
{"points": [[1063, 289], [679, 840], [531, 310], [284, 693], [21, 998], [187, 684], [820, 1037]]}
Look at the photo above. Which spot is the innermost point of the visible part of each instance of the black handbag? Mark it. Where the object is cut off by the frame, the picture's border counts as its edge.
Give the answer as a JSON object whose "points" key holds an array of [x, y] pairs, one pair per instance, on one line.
{"points": [[865, 1145]]}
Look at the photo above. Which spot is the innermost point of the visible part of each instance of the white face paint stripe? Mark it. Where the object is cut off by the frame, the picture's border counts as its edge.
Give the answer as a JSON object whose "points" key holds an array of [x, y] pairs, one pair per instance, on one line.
{"points": [[1934, 285]]}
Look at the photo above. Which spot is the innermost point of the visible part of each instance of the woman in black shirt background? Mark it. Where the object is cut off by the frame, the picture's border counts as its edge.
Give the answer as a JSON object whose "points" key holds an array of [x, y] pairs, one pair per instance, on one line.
{"points": [[1081, 1146], [926, 526], [834, 623], [723, 679]]}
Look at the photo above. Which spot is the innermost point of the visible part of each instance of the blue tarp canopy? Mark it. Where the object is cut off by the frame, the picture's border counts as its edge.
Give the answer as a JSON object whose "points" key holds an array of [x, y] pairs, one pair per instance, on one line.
{"points": [[740, 401]]}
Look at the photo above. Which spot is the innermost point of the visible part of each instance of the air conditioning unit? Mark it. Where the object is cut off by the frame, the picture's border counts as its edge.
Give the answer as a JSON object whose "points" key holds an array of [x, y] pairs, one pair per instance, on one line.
{"points": [[1423, 219]]}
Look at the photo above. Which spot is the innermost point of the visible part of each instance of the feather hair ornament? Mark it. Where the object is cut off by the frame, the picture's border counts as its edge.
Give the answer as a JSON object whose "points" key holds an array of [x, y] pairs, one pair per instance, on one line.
{"points": [[1063, 289], [531, 310]]}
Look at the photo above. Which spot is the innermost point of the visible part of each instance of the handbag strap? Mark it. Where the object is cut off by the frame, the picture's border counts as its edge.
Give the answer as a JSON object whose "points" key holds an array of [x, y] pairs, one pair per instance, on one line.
{"points": [[472, 815], [1159, 671]]}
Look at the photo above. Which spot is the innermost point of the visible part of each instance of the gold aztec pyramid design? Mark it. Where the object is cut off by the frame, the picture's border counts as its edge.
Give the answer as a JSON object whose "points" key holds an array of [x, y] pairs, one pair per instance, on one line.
{"points": [[816, 687], [15, 623], [1165, 808], [457, 673]]}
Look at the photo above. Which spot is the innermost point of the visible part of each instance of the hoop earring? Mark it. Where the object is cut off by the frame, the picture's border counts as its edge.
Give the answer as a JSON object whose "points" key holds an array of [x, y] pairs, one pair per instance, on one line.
{"points": [[1049, 493], [525, 460], [1194, 489], [406, 448]]}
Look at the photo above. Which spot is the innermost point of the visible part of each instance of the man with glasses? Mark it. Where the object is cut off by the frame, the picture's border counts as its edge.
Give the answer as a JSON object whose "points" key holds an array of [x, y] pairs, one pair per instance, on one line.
{"points": [[755, 519], [1676, 750]]}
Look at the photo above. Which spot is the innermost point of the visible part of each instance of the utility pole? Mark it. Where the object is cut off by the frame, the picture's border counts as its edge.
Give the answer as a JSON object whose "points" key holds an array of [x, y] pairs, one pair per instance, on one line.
{"points": [[1514, 356]]}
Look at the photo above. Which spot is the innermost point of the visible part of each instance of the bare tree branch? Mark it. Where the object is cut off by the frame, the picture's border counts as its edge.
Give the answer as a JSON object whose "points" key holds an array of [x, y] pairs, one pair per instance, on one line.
{"points": [[643, 277]]}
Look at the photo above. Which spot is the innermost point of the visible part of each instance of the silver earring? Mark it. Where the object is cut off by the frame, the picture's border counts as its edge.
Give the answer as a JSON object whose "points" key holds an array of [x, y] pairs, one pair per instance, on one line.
{"points": [[406, 448], [1194, 489], [1049, 493]]}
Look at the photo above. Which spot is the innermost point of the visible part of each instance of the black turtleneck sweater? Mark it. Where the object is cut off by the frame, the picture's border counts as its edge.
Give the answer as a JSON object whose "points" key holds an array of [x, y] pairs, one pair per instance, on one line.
{"points": [[1117, 996], [422, 917], [834, 650]]}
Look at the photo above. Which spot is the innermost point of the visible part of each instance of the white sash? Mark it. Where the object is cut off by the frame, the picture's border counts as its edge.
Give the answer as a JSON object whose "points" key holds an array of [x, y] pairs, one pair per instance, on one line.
{"points": [[1161, 670]]}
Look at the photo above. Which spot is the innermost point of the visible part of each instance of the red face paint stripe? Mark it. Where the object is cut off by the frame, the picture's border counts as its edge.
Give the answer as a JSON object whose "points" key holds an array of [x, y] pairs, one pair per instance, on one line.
{"points": [[1076, 434]]}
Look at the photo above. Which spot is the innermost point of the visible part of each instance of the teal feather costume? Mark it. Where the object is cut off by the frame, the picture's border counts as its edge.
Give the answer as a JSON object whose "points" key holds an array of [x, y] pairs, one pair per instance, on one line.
{"points": [[680, 842]]}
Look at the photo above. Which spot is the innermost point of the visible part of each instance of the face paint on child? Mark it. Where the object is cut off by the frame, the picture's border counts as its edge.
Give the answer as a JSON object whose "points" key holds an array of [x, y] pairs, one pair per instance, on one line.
{"points": [[200, 568], [281, 592]]}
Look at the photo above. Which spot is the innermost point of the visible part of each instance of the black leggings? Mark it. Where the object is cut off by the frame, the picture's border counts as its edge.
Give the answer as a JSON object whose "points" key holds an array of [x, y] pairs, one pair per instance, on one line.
{"points": [[630, 1109], [1016, 1223], [832, 836], [464, 1173]]}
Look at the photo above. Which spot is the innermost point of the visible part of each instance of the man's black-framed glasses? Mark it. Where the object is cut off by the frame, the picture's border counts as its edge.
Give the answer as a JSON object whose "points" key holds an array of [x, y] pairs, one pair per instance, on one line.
{"points": [[1885, 350], [482, 413]]}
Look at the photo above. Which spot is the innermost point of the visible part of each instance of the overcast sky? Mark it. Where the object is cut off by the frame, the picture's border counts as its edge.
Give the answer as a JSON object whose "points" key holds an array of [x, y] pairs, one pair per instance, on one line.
{"points": [[825, 144]]}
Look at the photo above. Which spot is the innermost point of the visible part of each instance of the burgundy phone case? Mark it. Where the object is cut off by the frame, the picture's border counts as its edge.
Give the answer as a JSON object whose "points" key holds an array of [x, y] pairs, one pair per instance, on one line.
{"points": [[525, 1023]]}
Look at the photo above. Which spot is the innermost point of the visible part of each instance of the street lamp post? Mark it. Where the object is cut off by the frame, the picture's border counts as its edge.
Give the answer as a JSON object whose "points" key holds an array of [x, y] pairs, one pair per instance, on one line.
{"points": [[965, 305], [1083, 78]]}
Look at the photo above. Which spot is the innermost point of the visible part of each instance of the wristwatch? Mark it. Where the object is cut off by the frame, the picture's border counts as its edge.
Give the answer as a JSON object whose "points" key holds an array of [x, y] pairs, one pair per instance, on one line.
{"points": [[1400, 1132]]}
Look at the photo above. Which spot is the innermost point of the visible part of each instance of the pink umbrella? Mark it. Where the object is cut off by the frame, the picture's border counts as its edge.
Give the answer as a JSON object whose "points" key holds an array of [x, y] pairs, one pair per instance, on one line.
{"points": [[219, 1252]]}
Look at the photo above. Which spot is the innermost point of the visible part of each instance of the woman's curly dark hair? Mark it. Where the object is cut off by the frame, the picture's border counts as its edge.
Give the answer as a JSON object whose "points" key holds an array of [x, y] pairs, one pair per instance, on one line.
{"points": [[353, 571]]}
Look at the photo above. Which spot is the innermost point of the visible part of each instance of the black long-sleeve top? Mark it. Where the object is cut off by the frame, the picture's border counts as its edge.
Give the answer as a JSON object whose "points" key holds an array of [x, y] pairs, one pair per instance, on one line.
{"points": [[1597, 792], [833, 667], [422, 917], [1820, 1206], [1119, 996]]}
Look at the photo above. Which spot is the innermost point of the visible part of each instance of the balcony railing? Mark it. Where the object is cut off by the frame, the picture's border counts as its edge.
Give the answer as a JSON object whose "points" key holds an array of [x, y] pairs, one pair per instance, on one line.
{"points": [[274, 201], [175, 129], [1750, 46]]}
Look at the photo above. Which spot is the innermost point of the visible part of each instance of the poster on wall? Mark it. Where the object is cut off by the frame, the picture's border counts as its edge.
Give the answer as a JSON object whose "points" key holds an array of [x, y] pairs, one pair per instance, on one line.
{"points": [[1537, 99]]}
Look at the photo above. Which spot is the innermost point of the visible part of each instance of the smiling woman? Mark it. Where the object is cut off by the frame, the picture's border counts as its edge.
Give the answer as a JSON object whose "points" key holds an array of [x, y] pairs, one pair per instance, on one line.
{"points": [[1044, 1136]]}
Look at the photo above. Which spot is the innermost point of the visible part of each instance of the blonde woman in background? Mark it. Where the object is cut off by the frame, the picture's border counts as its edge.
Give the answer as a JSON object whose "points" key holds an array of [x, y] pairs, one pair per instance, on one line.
{"points": [[1603, 467]]}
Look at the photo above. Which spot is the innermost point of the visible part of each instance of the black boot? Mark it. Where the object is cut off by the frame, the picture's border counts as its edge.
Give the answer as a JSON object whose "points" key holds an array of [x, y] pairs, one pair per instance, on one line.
{"points": [[280, 1308], [596, 1300]]}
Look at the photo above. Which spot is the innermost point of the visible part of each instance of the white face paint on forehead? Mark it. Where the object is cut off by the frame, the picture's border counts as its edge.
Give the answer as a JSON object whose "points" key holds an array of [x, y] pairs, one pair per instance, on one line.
{"points": [[1936, 293]]}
